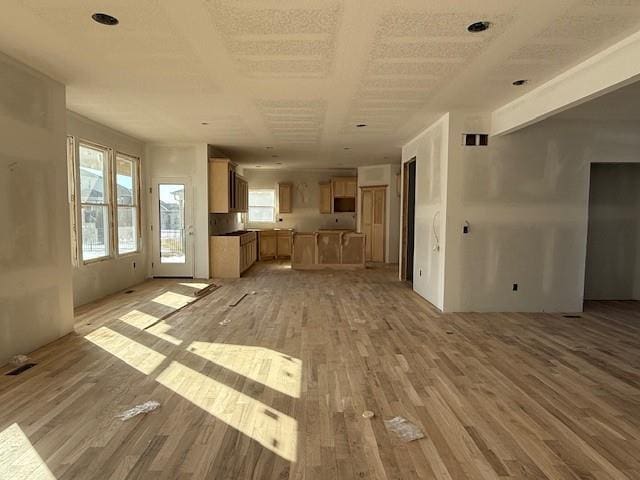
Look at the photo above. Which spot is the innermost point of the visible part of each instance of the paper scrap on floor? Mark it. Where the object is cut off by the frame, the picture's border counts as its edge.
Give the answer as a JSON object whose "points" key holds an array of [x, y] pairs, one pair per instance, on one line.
{"points": [[404, 429], [145, 407]]}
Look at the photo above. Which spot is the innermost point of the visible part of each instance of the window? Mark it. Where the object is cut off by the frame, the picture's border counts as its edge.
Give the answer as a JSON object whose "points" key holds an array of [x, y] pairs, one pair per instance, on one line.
{"points": [[126, 193], [262, 205], [109, 187], [95, 205]]}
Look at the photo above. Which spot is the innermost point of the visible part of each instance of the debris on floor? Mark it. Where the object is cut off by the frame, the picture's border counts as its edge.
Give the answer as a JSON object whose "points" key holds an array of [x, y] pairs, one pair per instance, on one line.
{"points": [[145, 407], [368, 414], [19, 360], [242, 297], [224, 322], [404, 429]]}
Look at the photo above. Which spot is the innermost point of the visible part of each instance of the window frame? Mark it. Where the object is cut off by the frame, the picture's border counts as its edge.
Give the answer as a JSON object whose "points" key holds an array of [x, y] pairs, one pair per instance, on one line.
{"points": [[136, 203], [273, 207], [80, 204]]}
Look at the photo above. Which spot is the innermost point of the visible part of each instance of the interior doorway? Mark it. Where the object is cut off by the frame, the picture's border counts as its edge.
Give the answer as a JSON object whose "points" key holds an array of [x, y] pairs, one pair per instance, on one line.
{"points": [[374, 200], [408, 219], [172, 228], [612, 270]]}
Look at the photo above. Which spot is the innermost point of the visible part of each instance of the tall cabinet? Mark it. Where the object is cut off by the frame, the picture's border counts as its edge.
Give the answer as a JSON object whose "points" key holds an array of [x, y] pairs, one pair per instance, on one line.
{"points": [[228, 191]]}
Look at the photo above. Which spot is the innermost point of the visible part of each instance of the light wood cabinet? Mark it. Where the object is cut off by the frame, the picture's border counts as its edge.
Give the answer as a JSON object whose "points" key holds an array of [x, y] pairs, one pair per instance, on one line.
{"points": [[284, 197], [228, 191], [268, 245], [344, 187], [275, 244], [326, 197], [373, 222], [284, 244], [232, 255], [334, 249]]}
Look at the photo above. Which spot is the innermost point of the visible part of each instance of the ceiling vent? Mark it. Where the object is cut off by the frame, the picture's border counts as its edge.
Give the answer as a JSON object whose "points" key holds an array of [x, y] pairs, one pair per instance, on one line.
{"points": [[475, 139]]}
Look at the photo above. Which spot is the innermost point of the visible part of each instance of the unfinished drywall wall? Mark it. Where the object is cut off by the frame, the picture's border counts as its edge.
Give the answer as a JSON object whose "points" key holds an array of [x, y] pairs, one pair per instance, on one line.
{"points": [[96, 280], [613, 245], [36, 305], [190, 161], [378, 175], [305, 215], [430, 149], [525, 197]]}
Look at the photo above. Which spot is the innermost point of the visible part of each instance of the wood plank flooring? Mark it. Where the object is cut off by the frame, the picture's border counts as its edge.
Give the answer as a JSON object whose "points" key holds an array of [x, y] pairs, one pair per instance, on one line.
{"points": [[275, 387]]}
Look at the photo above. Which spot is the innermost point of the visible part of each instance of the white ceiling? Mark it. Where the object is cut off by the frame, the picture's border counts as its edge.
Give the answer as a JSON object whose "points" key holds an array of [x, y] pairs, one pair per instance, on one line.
{"points": [[298, 75]]}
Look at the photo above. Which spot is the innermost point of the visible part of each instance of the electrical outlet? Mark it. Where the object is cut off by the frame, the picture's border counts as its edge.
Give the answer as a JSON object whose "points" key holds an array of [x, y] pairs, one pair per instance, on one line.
{"points": [[420, 272], [134, 265], [515, 287]]}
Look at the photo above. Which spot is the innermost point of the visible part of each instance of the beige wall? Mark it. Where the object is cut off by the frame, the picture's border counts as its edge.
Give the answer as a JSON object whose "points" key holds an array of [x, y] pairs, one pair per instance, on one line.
{"points": [[526, 199], [430, 150], [96, 280], [378, 175], [36, 302], [613, 242], [305, 215]]}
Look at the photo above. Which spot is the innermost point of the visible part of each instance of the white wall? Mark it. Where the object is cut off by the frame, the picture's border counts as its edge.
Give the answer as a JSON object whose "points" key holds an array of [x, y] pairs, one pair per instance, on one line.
{"points": [[431, 152], [36, 304], [190, 161], [98, 279], [306, 214], [526, 198], [613, 242], [378, 175]]}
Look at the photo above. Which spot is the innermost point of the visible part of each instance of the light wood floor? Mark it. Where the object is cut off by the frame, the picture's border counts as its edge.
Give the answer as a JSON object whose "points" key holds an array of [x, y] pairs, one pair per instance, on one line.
{"points": [[278, 391]]}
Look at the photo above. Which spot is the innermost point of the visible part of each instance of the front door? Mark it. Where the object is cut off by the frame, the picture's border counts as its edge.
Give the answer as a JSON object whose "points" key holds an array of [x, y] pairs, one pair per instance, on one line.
{"points": [[172, 228]]}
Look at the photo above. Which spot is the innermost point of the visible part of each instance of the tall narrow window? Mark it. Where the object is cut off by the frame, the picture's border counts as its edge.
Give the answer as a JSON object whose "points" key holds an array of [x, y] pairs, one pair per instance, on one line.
{"points": [[93, 166], [126, 194], [262, 205]]}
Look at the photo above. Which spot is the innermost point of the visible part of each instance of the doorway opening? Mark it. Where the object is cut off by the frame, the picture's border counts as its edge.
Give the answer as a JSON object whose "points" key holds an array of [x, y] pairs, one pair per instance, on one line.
{"points": [[612, 270], [408, 219]]}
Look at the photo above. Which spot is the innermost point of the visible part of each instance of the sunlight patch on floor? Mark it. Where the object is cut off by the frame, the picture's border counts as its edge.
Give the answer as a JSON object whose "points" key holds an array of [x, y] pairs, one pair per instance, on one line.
{"points": [[268, 367], [142, 320], [270, 428], [135, 354], [173, 300], [160, 330], [18, 459]]}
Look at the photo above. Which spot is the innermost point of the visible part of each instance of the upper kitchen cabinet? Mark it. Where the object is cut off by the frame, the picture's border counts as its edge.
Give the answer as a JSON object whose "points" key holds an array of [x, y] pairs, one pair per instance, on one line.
{"points": [[326, 199], [344, 193], [284, 197], [228, 191]]}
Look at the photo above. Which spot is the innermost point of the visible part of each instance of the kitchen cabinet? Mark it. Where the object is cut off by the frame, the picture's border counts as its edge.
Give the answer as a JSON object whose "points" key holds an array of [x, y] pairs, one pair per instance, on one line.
{"points": [[326, 197], [232, 254], [332, 249], [345, 187], [284, 197], [228, 191], [275, 244]]}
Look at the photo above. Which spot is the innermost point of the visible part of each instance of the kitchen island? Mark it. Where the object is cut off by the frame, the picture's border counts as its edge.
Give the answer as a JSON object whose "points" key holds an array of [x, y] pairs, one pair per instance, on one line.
{"points": [[328, 249]]}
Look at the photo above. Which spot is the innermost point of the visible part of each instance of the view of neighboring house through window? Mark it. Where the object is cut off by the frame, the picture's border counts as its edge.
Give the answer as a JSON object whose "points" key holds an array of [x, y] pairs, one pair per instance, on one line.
{"points": [[127, 203], [93, 165], [262, 205]]}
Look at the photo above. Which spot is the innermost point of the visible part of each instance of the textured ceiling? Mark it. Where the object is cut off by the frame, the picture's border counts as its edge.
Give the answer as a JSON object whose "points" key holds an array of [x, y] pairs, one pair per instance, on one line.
{"points": [[298, 75]]}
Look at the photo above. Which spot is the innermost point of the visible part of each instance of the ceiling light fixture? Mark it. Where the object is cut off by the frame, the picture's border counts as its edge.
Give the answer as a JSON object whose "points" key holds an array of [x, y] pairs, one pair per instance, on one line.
{"points": [[478, 27], [268, 148], [347, 148], [105, 19], [519, 83]]}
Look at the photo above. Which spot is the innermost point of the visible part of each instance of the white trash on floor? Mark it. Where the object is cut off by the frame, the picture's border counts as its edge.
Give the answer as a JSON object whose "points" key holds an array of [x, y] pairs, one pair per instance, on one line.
{"points": [[19, 360], [404, 429], [145, 407]]}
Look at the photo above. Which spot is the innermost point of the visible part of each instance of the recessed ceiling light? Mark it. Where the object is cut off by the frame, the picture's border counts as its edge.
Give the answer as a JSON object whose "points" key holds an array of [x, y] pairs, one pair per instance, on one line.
{"points": [[478, 27], [361, 125], [258, 166], [105, 19], [347, 148], [278, 163], [275, 156], [204, 123], [268, 148], [519, 83]]}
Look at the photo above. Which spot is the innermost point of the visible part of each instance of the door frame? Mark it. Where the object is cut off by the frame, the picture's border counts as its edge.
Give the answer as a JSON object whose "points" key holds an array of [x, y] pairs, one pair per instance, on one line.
{"points": [[405, 219], [384, 188], [155, 227]]}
